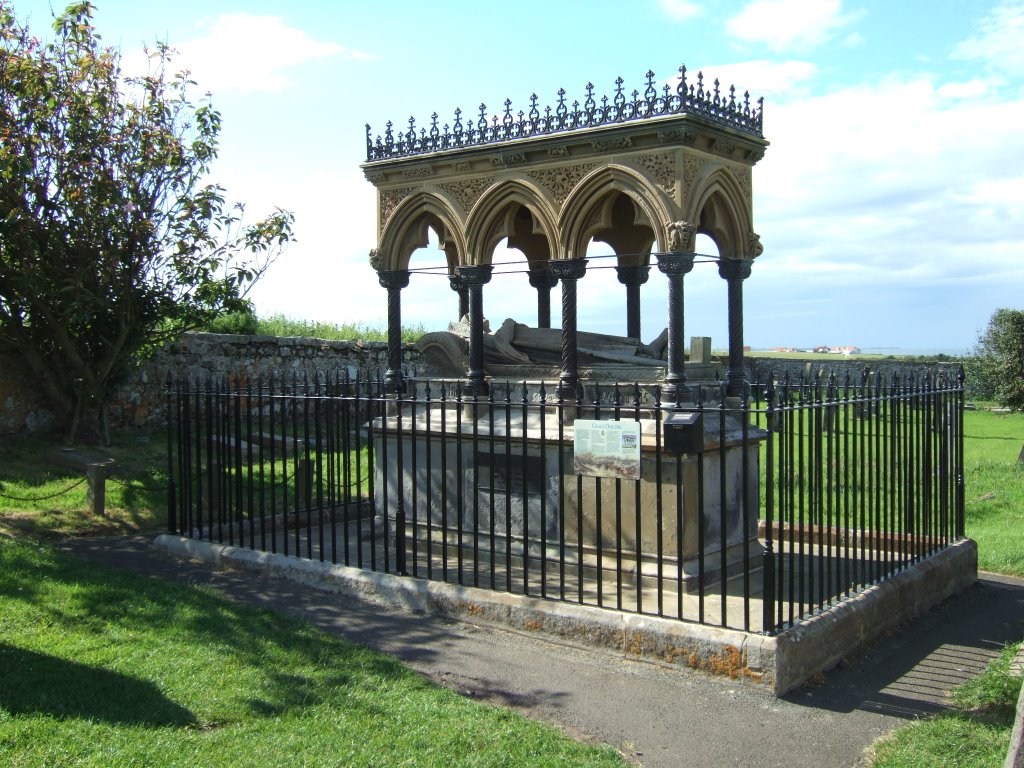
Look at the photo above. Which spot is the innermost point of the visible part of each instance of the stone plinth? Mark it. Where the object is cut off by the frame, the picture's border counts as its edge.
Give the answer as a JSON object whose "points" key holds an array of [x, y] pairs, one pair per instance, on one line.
{"points": [[513, 479]]}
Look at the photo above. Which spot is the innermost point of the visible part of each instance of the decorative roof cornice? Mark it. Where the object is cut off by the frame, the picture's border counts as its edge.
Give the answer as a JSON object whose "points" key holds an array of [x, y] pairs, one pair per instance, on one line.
{"points": [[692, 99]]}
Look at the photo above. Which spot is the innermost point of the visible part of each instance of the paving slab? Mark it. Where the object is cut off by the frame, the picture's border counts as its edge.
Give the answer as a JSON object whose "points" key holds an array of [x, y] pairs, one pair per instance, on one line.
{"points": [[658, 717]]}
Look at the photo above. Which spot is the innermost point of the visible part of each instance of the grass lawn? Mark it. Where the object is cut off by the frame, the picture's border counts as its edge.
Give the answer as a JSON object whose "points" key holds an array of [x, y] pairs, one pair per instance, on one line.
{"points": [[994, 489], [33, 488], [975, 735], [97, 668], [103, 668]]}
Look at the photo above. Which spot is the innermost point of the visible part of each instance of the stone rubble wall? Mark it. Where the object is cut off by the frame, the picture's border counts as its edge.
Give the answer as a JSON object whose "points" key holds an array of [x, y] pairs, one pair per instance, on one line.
{"points": [[198, 358], [759, 368]]}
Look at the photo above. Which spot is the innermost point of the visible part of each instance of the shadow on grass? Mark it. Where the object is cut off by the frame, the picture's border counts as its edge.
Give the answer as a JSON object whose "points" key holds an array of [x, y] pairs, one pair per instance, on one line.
{"points": [[42, 498], [74, 596], [34, 683]]}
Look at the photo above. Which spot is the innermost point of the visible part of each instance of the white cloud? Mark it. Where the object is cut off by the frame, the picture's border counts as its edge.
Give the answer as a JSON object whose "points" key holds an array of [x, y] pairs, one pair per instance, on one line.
{"points": [[760, 78], [898, 179], [997, 42], [968, 90], [789, 25], [681, 10], [244, 53]]}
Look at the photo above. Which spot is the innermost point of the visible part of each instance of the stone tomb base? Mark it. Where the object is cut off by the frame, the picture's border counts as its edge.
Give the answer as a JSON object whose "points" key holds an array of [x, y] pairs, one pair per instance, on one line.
{"points": [[502, 486]]}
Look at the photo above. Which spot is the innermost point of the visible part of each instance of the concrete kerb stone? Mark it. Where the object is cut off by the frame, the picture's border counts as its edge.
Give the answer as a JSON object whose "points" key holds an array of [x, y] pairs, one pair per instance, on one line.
{"points": [[819, 643], [779, 663]]}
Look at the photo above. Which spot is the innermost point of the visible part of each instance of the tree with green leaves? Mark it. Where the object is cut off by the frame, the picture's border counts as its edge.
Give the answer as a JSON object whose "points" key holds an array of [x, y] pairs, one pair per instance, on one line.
{"points": [[112, 239], [998, 362]]}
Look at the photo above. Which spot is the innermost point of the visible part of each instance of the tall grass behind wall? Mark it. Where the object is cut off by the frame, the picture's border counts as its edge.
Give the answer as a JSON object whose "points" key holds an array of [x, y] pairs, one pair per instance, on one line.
{"points": [[248, 323]]}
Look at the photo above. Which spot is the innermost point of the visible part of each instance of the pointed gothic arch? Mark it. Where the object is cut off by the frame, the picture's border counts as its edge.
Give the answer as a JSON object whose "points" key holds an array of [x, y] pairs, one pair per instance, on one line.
{"points": [[405, 230], [590, 208], [497, 214], [720, 209]]}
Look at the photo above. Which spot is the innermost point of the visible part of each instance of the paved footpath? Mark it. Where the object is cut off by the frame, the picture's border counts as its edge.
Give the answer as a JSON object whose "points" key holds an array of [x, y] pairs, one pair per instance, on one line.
{"points": [[660, 718]]}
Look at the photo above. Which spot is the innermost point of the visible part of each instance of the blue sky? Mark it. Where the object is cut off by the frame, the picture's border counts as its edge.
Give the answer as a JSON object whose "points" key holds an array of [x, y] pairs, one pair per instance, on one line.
{"points": [[890, 202]]}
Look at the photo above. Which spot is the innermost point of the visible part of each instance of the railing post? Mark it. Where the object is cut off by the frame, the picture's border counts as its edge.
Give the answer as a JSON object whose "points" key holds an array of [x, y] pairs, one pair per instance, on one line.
{"points": [[960, 531], [172, 526], [768, 572]]}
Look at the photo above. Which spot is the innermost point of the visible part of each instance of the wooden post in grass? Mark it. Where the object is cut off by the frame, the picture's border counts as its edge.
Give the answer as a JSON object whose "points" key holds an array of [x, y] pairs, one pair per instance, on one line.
{"points": [[96, 469]]}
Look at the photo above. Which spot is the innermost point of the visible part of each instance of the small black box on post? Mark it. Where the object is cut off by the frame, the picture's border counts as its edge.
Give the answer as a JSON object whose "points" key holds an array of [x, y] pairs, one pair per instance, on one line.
{"points": [[684, 433]]}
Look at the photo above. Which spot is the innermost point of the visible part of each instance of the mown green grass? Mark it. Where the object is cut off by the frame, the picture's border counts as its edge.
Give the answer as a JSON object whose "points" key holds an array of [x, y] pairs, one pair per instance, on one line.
{"points": [[102, 668], [975, 735], [34, 495], [994, 488]]}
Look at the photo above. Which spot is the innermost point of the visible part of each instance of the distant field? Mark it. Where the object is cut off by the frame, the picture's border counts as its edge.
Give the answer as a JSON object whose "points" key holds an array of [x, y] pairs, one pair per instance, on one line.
{"points": [[825, 357]]}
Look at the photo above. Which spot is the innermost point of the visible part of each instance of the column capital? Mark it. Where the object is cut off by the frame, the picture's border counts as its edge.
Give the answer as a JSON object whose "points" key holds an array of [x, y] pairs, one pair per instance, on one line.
{"points": [[734, 269], [474, 274], [455, 282], [396, 278], [633, 275], [675, 263], [542, 278], [568, 269]]}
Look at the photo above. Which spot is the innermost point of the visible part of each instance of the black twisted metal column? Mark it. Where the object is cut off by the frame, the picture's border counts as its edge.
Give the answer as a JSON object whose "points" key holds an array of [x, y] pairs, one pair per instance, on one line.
{"points": [[474, 277], [633, 278], [735, 271], [675, 266], [568, 271], [394, 281], [458, 286], [543, 281]]}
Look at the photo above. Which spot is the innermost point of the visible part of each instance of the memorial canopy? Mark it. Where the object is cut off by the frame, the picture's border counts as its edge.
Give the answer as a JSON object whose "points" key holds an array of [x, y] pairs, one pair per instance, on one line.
{"points": [[643, 172]]}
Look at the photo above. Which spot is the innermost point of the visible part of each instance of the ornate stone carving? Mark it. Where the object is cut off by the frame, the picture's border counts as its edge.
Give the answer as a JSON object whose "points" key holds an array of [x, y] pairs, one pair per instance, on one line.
{"points": [[677, 137], [375, 259], [465, 193], [724, 149], [558, 151], [507, 159], [681, 235], [417, 173], [660, 167], [610, 145], [562, 180], [692, 165], [389, 200], [754, 247], [742, 173]]}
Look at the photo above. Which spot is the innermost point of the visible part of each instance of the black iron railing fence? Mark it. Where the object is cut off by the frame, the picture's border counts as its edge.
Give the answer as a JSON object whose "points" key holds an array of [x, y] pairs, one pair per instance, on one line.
{"points": [[748, 513]]}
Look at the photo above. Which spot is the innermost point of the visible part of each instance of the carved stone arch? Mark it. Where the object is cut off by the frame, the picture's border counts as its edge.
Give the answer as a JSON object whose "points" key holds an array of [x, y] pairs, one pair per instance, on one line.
{"points": [[721, 209], [590, 207], [494, 217], [406, 230]]}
